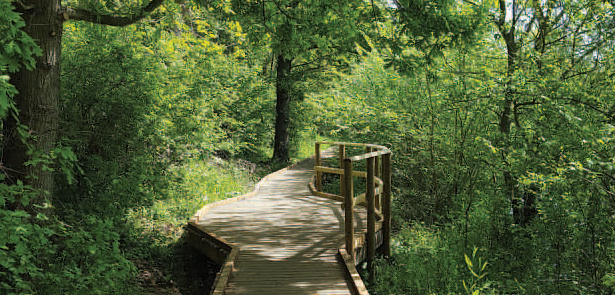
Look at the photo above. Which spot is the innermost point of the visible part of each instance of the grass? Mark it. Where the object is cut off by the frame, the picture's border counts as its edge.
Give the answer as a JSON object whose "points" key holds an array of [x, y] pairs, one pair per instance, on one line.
{"points": [[304, 147], [201, 183]]}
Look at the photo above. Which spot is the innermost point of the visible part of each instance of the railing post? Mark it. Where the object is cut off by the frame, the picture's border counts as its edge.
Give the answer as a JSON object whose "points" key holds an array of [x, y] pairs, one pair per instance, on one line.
{"points": [[371, 217], [386, 203], [318, 163], [342, 155], [377, 174], [348, 206]]}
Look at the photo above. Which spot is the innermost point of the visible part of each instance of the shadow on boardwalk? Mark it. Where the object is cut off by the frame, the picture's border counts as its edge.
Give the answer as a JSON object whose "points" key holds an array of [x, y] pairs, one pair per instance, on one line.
{"points": [[287, 238]]}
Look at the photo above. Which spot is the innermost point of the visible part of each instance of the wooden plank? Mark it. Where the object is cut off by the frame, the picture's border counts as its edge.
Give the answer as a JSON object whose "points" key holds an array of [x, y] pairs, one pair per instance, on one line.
{"points": [[268, 291], [378, 170], [369, 155], [329, 170], [339, 171], [328, 196], [255, 279], [214, 248], [354, 144], [341, 156]]}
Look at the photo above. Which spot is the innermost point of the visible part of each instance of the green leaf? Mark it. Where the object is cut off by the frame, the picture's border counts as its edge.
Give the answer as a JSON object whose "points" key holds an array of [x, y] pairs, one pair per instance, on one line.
{"points": [[468, 262]]}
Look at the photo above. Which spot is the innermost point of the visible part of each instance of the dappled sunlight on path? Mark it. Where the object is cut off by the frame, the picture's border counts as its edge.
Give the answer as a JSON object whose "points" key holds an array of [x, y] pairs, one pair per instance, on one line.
{"points": [[287, 238]]}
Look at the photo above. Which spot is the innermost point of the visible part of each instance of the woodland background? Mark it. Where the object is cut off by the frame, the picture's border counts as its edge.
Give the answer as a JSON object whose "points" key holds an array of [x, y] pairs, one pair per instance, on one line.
{"points": [[121, 118]]}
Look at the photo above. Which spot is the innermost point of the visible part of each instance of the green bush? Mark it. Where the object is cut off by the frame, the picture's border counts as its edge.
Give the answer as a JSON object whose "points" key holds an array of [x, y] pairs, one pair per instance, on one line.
{"points": [[39, 255], [425, 262]]}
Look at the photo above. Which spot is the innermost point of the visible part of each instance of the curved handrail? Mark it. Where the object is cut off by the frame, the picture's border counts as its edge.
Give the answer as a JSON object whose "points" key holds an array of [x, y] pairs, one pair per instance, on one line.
{"points": [[376, 199]]}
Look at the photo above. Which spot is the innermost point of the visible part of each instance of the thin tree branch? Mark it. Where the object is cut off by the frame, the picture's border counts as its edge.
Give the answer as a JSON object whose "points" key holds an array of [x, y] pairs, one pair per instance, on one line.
{"points": [[589, 105], [527, 103], [110, 19], [285, 13], [582, 73]]}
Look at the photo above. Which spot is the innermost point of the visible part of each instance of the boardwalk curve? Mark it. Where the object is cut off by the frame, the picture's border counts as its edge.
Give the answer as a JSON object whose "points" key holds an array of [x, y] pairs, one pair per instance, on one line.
{"points": [[280, 239]]}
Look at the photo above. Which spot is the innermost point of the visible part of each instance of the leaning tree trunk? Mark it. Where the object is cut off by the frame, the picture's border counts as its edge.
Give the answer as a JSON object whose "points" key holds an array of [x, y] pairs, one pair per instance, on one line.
{"points": [[37, 101], [282, 119]]}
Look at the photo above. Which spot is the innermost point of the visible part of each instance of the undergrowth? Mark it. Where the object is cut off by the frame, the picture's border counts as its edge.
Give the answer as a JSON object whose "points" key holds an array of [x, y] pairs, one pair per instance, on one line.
{"points": [[155, 232], [199, 184], [426, 261]]}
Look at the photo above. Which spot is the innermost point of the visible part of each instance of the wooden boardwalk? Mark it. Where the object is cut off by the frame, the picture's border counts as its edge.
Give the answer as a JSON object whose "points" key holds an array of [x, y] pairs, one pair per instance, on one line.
{"points": [[287, 239]]}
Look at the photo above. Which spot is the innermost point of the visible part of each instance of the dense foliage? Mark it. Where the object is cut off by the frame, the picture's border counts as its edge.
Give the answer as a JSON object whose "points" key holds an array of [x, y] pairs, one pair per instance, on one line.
{"points": [[144, 111], [500, 116], [513, 158]]}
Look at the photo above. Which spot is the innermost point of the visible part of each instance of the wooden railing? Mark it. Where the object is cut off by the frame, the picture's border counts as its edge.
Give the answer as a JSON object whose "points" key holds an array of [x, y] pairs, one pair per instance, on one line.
{"points": [[376, 198]]}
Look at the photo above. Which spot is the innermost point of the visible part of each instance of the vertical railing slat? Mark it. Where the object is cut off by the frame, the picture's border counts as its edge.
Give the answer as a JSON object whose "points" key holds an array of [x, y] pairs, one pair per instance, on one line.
{"points": [[348, 206], [318, 163], [371, 216], [342, 156], [377, 170], [386, 203]]}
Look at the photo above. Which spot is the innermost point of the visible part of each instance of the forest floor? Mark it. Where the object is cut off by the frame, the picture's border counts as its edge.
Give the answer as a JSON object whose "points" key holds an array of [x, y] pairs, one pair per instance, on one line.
{"points": [[190, 273]]}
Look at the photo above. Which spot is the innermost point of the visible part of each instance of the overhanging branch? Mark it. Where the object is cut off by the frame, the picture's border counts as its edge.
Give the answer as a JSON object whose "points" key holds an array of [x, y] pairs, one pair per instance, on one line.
{"points": [[110, 19]]}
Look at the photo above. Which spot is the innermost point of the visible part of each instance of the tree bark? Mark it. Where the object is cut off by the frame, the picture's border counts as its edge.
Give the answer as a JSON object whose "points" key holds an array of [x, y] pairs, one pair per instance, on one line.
{"points": [[282, 120], [37, 101]]}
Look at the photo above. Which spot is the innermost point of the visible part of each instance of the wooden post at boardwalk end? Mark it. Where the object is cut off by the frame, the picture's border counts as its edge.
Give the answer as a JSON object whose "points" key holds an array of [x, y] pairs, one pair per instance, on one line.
{"points": [[348, 207], [386, 204], [342, 156], [318, 163], [371, 216]]}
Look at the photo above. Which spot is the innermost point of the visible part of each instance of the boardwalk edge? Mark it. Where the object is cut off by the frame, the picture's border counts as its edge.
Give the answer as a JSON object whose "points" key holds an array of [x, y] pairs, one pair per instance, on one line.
{"points": [[225, 273], [218, 250], [352, 275]]}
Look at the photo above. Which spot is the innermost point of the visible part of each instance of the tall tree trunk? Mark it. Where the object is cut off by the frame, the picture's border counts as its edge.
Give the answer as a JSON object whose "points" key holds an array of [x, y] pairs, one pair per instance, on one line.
{"points": [[282, 120], [37, 101], [505, 124], [522, 208]]}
